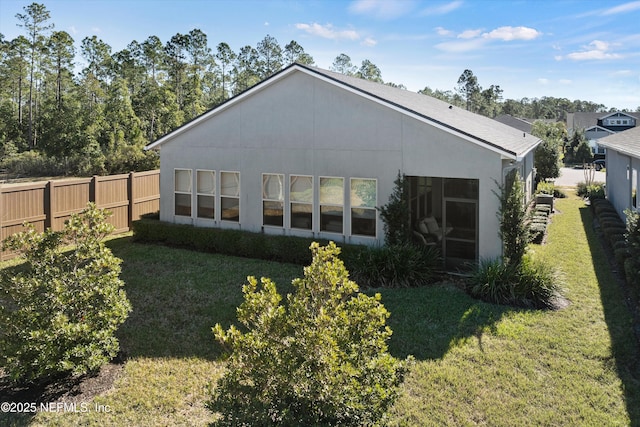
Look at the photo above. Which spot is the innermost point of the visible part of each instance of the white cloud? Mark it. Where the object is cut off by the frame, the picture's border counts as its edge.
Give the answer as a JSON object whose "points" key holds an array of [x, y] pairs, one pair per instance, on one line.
{"points": [[470, 34], [442, 9], [596, 50], [266, 24], [73, 29], [328, 32], [369, 42], [96, 29], [513, 33], [623, 8], [622, 73], [381, 9], [443, 31], [565, 81], [543, 81]]}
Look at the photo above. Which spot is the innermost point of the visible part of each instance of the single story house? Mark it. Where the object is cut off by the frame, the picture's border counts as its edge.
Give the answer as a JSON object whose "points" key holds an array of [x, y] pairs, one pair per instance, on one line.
{"points": [[313, 153], [623, 164]]}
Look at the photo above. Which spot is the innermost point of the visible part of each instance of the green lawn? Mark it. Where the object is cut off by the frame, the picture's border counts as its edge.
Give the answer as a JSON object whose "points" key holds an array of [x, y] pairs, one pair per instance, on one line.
{"points": [[476, 363]]}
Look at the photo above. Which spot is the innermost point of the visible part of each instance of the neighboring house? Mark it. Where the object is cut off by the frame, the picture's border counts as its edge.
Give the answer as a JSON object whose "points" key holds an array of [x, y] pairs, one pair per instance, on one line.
{"points": [[623, 166], [308, 152], [600, 125]]}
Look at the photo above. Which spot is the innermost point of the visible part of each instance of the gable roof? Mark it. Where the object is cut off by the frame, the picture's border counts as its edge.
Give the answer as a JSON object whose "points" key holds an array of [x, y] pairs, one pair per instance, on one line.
{"points": [[580, 120], [625, 142], [515, 122], [509, 142]]}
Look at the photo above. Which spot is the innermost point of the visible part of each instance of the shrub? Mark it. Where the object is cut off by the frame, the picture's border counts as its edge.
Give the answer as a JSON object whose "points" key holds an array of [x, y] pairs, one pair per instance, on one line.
{"points": [[539, 285], [531, 283], [545, 188], [559, 194], [493, 281], [396, 214], [320, 360], [514, 224], [401, 265], [594, 190], [59, 312], [632, 237]]}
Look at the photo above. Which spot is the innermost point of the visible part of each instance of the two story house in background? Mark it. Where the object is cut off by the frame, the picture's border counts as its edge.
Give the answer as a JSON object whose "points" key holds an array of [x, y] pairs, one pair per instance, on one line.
{"points": [[600, 125]]}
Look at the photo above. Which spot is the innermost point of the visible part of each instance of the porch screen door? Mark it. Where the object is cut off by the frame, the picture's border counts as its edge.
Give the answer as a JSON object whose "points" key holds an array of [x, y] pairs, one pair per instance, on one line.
{"points": [[461, 241]]}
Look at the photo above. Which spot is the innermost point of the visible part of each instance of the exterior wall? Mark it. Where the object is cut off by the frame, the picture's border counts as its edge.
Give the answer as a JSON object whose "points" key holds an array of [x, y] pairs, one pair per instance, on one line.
{"points": [[619, 180], [302, 125]]}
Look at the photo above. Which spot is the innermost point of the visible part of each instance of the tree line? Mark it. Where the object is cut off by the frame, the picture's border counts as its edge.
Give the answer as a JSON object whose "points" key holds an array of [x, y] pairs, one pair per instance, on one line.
{"points": [[55, 120]]}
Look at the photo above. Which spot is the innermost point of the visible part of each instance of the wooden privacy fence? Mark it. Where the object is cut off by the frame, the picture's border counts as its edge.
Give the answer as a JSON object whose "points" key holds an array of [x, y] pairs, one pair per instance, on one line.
{"points": [[49, 204]]}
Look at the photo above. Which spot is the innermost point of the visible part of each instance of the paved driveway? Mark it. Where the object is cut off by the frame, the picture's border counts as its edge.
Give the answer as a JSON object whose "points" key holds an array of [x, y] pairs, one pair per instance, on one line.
{"points": [[570, 177]]}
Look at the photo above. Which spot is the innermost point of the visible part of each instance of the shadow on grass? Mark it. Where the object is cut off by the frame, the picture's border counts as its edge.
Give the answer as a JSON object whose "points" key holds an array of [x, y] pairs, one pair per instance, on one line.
{"points": [[625, 346], [428, 321], [178, 295]]}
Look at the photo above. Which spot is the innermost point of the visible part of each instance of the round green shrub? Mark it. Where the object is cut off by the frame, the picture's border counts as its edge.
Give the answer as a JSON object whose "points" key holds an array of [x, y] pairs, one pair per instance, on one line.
{"points": [[321, 359], [61, 308]]}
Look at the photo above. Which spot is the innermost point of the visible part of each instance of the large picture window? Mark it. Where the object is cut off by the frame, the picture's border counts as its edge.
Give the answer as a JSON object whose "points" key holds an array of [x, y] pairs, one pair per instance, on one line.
{"points": [[182, 192], [273, 199], [206, 191], [230, 196], [363, 206], [331, 204], [301, 199]]}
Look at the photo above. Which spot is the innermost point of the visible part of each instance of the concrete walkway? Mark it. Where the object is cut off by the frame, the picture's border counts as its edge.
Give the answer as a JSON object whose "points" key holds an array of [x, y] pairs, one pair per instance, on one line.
{"points": [[571, 177]]}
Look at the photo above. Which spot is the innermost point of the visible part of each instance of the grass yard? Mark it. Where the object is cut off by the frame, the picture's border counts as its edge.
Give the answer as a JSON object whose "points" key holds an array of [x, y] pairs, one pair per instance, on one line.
{"points": [[476, 363]]}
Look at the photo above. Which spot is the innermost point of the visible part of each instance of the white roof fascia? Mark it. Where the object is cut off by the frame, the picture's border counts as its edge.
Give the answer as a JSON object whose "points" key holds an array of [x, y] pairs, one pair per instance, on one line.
{"points": [[616, 112], [599, 127]]}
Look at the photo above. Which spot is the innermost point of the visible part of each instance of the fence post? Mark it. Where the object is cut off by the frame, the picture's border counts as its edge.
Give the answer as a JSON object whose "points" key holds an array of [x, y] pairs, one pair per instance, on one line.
{"points": [[132, 198], [48, 204], [93, 189]]}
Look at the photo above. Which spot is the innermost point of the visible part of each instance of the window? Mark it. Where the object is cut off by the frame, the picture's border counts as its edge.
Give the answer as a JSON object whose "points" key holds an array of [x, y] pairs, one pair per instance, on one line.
{"points": [[206, 191], [182, 192], [273, 199], [363, 206], [230, 196], [331, 204], [301, 198]]}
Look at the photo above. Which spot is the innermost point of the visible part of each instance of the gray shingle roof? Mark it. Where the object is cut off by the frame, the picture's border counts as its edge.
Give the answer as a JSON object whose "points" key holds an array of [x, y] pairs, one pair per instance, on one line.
{"points": [[627, 142], [480, 128], [512, 142]]}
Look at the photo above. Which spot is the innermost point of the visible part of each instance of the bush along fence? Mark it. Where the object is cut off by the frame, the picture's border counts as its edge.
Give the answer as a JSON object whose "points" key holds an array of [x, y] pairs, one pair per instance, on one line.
{"points": [[50, 204]]}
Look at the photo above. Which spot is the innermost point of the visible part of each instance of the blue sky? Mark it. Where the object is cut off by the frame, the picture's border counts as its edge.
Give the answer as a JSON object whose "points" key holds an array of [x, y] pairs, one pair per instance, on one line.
{"points": [[585, 49]]}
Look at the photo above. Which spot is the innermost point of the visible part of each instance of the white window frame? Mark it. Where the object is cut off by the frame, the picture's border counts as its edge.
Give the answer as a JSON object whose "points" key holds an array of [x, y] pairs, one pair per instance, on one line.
{"points": [[189, 193], [298, 202], [212, 194], [321, 204], [225, 196], [374, 208], [281, 178]]}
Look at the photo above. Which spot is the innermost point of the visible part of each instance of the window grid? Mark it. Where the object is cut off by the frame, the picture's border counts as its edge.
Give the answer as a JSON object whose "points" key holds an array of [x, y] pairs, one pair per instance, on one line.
{"points": [[182, 184], [206, 193], [230, 196], [363, 199], [301, 202], [332, 204], [273, 199]]}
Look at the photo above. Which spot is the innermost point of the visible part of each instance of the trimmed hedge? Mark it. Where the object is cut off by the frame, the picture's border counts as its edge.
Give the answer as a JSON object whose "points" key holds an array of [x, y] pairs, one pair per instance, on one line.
{"points": [[246, 244]]}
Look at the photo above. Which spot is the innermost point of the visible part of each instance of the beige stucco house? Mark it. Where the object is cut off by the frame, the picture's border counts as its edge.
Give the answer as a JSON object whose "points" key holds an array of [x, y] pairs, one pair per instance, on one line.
{"points": [[309, 152]]}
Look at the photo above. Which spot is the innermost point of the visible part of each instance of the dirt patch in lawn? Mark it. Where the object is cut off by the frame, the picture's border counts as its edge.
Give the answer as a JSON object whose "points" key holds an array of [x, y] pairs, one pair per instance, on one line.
{"points": [[63, 390]]}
